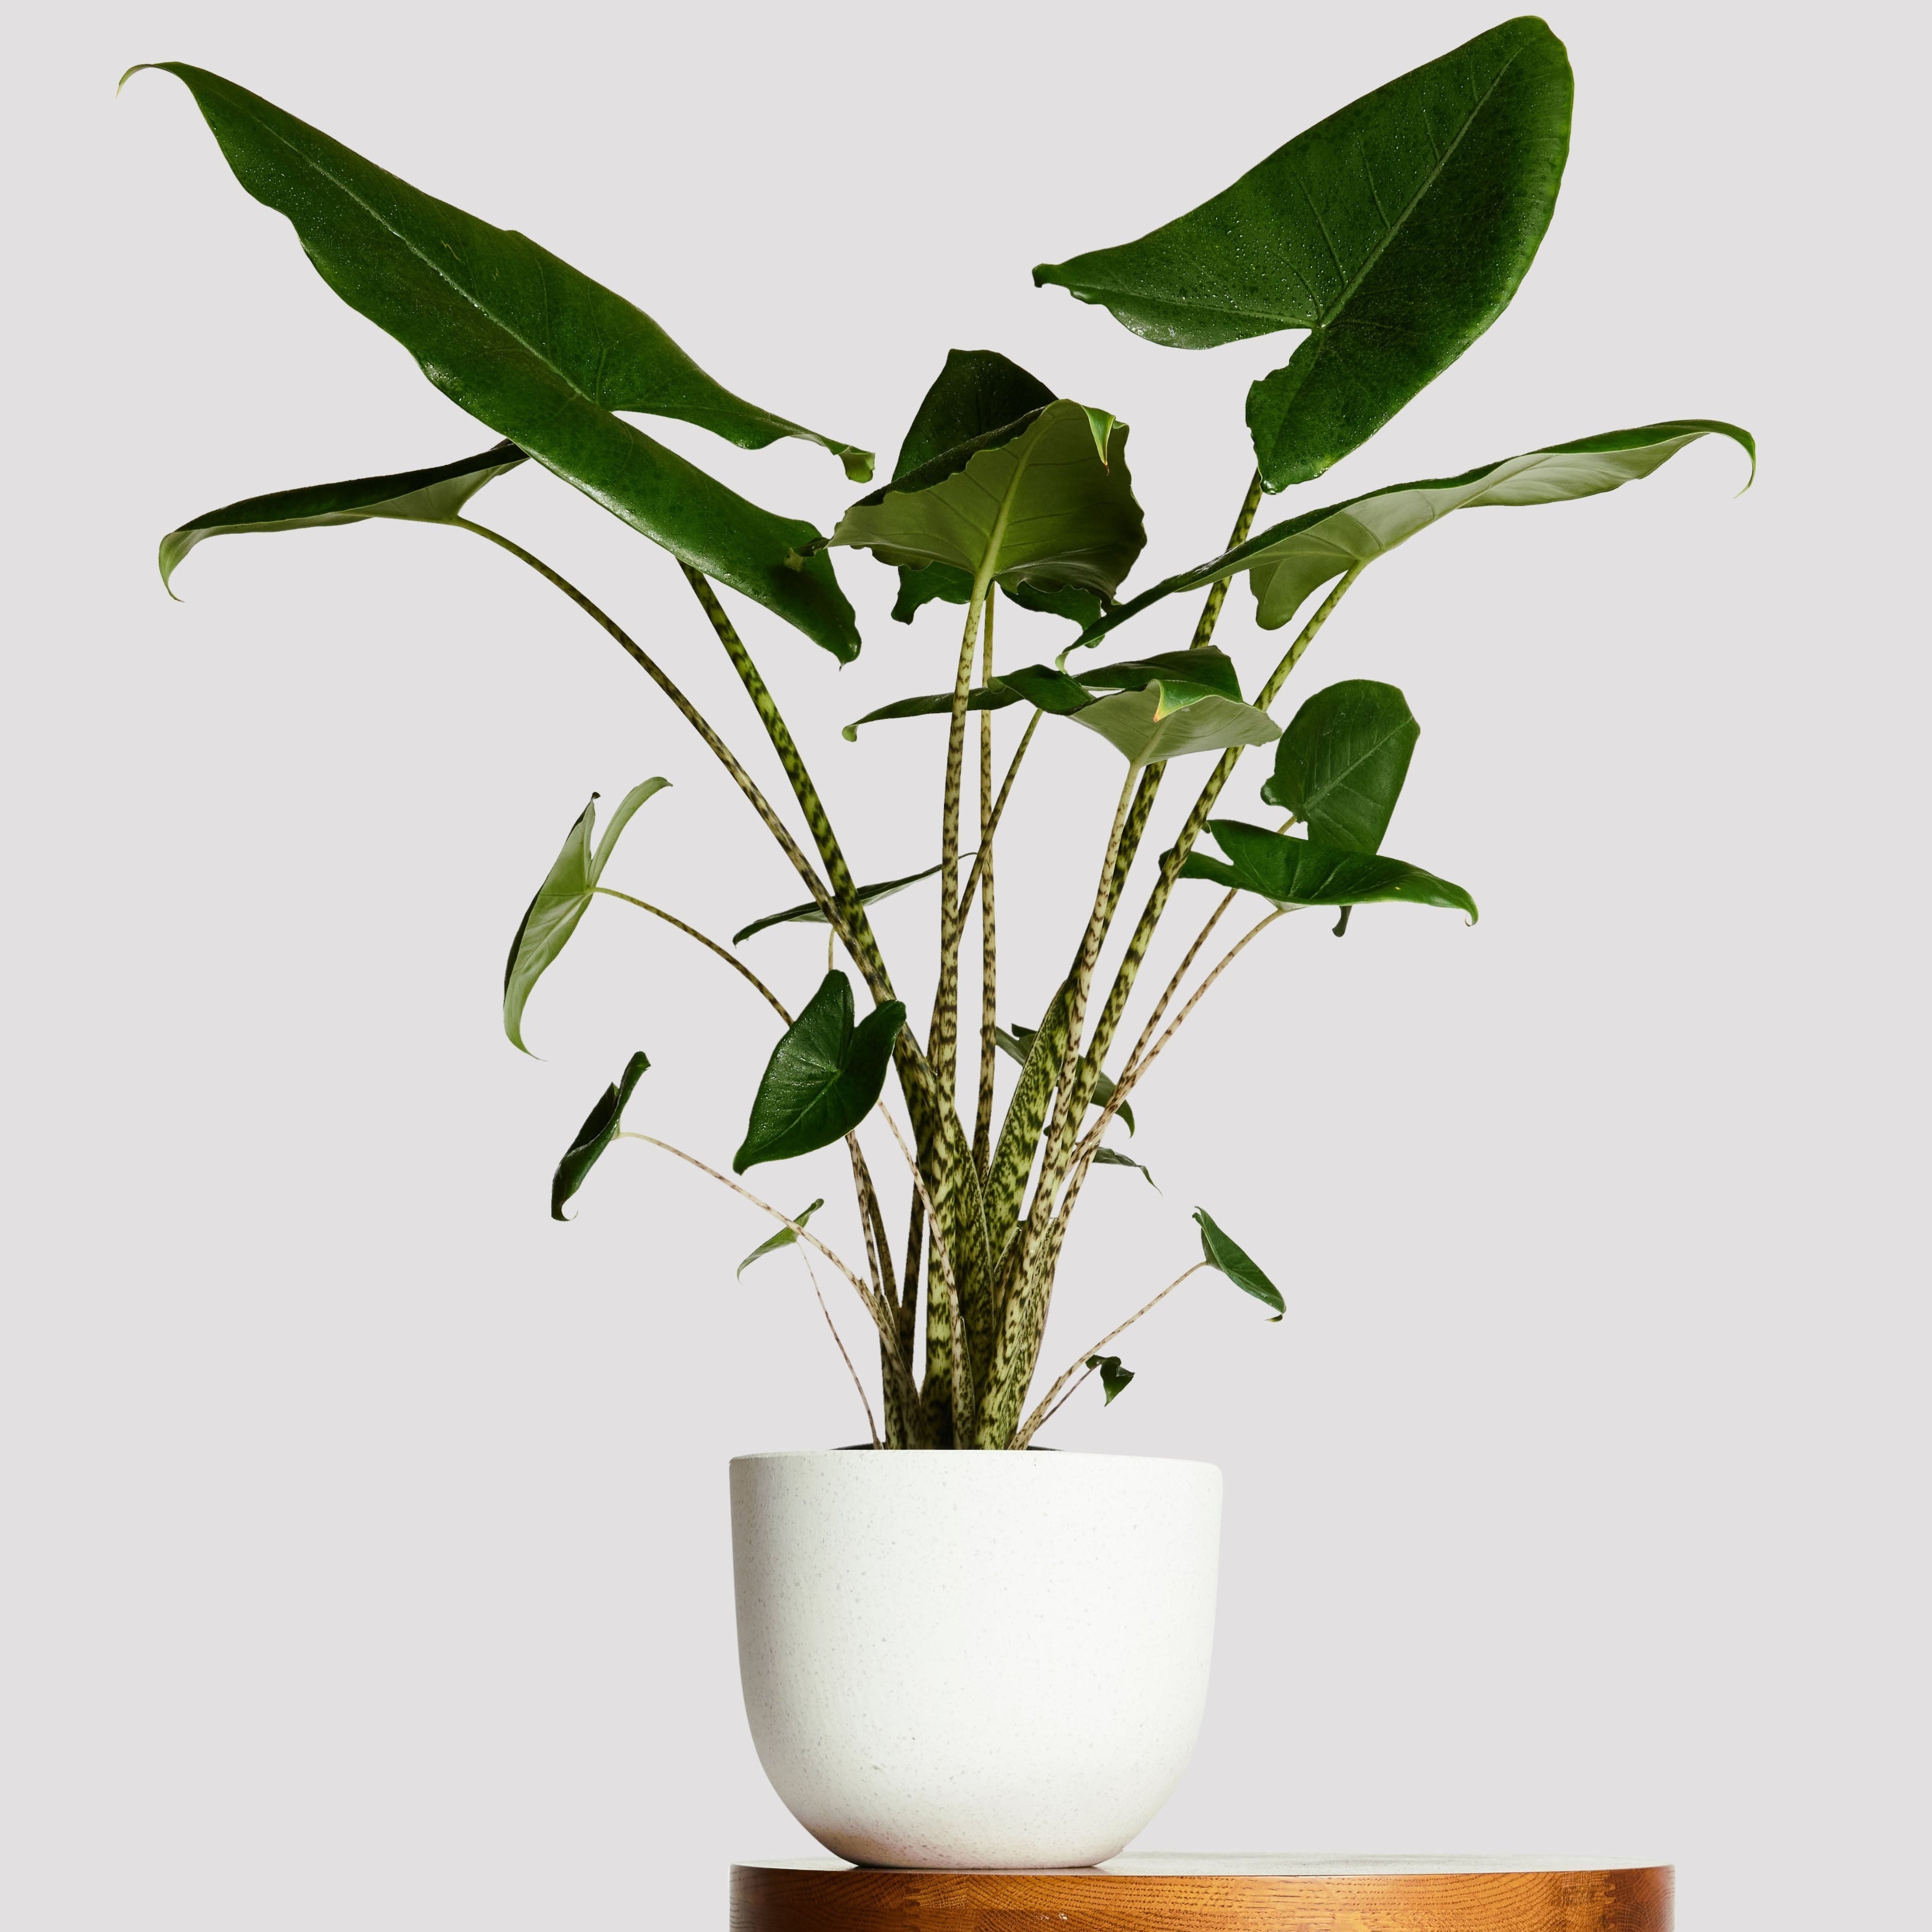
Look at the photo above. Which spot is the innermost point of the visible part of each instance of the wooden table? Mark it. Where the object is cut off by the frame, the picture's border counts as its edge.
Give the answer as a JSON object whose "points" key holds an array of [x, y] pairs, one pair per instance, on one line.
{"points": [[1210, 1894]]}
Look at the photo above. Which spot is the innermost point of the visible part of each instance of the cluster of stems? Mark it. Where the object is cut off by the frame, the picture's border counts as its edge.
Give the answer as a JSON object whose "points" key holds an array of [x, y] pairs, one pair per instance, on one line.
{"points": [[985, 1263]]}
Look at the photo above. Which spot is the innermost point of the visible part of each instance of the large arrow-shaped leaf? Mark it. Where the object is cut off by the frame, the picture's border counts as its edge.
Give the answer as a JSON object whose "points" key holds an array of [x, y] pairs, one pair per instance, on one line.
{"points": [[1341, 763], [1300, 872], [1289, 562], [823, 1078], [561, 900], [1047, 501], [1395, 232], [542, 354], [416, 496]]}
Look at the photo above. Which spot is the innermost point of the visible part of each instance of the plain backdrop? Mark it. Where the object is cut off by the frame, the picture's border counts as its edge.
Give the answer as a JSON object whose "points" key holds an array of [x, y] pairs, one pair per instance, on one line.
{"points": [[365, 1545]]}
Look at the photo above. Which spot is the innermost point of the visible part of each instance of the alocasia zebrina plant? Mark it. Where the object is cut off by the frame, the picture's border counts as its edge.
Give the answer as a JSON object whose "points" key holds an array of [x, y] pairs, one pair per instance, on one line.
{"points": [[1391, 234]]}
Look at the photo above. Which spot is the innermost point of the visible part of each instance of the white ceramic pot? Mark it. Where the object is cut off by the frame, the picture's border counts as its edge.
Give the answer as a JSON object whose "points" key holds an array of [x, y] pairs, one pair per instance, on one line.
{"points": [[989, 1660]]}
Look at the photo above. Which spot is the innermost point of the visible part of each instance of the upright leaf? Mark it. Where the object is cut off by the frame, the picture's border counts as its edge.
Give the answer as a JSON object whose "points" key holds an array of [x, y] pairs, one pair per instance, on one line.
{"points": [[1340, 764], [823, 1078], [1301, 872], [785, 1237], [1233, 1261], [978, 390], [1048, 502], [542, 354], [598, 1130], [435, 496], [1291, 561], [561, 901], [1395, 232]]}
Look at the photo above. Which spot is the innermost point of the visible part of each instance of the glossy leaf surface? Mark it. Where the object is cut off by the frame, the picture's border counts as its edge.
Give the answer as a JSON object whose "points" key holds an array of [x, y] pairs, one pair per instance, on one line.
{"points": [[785, 1237], [1292, 560], [561, 900], [435, 496], [812, 913], [1299, 871], [1395, 232], [598, 1130], [1340, 764], [542, 354], [1233, 1262], [823, 1078], [1052, 505], [1114, 1378]]}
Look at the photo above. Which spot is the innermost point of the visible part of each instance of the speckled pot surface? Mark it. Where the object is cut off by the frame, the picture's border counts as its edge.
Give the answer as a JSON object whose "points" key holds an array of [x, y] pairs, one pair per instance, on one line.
{"points": [[961, 1660]]}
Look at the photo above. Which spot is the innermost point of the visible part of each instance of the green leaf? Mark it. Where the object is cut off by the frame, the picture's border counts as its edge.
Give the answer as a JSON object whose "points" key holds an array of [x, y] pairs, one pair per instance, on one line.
{"points": [[1221, 1253], [1292, 560], [1340, 764], [1018, 1044], [1299, 872], [812, 913], [824, 1077], [1113, 1378], [598, 1130], [1395, 232], [784, 1238], [542, 354], [1185, 677], [994, 696], [561, 901], [1107, 1157], [416, 496], [1052, 504], [1147, 726]]}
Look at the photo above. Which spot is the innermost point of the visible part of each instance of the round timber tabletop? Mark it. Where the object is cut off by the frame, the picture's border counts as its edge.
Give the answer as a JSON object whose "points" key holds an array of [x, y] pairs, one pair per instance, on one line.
{"points": [[1210, 1894]]}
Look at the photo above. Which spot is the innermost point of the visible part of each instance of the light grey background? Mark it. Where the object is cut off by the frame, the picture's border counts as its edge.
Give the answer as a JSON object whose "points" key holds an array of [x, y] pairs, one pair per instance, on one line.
{"points": [[365, 1530]]}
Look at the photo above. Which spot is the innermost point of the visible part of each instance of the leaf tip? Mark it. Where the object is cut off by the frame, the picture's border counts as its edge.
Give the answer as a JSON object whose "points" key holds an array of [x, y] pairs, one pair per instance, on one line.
{"points": [[139, 67], [858, 463]]}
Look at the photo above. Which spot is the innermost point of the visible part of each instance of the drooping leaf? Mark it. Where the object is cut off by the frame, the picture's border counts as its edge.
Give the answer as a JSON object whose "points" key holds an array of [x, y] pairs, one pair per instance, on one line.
{"points": [[1113, 1378], [1299, 871], [561, 901], [1395, 232], [812, 913], [1052, 504], [1183, 675], [542, 354], [1018, 1044], [1292, 560], [1235, 1263], [1184, 678], [1145, 727], [598, 1130], [1340, 764], [824, 1077], [993, 697], [940, 582], [1107, 1157], [435, 496], [785, 1237]]}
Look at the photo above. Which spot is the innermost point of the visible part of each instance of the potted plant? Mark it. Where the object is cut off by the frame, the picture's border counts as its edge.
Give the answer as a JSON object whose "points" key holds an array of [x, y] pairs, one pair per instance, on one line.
{"points": [[952, 1659]]}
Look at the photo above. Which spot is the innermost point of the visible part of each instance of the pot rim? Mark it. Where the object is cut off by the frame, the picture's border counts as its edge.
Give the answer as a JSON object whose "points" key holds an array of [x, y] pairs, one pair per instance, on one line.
{"points": [[969, 1457]]}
